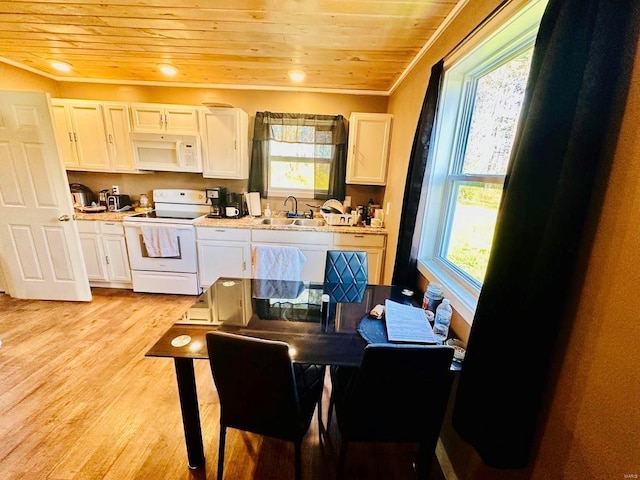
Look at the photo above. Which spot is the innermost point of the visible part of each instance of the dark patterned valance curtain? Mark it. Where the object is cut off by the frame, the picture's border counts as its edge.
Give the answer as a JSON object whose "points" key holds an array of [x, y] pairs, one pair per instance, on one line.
{"points": [[570, 119], [327, 130]]}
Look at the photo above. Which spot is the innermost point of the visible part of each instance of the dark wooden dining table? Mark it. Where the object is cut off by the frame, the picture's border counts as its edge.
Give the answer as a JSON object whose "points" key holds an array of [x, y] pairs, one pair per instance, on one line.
{"points": [[318, 332]]}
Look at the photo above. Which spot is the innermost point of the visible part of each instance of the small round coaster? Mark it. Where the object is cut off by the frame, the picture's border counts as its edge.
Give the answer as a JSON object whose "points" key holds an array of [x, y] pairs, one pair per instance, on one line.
{"points": [[181, 341]]}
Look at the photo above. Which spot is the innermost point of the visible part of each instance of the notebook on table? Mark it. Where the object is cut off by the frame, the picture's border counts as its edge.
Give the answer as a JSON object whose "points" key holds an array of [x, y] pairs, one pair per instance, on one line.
{"points": [[407, 324]]}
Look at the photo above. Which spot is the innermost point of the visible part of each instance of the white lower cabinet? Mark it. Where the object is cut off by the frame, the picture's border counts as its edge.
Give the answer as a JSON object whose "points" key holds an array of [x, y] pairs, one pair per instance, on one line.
{"points": [[222, 252], [313, 245], [374, 245], [105, 254]]}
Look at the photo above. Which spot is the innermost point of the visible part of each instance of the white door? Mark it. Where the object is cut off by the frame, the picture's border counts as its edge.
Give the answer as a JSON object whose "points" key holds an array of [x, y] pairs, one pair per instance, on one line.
{"points": [[39, 238]]}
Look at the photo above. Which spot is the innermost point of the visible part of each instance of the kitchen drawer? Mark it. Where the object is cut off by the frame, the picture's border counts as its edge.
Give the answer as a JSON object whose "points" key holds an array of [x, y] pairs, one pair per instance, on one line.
{"points": [[290, 237], [227, 234], [88, 226], [358, 240], [112, 228]]}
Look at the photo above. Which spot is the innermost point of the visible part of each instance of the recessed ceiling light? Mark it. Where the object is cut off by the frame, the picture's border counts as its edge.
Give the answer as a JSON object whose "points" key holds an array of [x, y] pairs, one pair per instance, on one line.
{"points": [[296, 75], [60, 66], [168, 69]]}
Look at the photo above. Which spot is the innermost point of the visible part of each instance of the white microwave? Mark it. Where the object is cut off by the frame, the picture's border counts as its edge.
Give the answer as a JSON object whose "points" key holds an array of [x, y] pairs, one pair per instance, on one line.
{"points": [[166, 152]]}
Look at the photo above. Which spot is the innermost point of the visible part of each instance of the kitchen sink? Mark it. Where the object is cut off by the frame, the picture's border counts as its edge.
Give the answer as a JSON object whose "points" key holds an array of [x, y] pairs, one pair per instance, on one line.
{"points": [[277, 221], [307, 222]]}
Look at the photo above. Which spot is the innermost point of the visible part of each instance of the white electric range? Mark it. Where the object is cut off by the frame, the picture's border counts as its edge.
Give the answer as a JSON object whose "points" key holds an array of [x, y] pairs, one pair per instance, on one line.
{"points": [[176, 211]]}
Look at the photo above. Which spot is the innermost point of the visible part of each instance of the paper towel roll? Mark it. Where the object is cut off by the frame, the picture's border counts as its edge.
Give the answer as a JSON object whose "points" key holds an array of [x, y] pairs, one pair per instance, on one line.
{"points": [[253, 203]]}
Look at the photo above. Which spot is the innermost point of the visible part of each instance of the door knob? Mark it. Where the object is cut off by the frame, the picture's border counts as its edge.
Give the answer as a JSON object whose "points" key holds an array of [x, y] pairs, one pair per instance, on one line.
{"points": [[64, 218]]}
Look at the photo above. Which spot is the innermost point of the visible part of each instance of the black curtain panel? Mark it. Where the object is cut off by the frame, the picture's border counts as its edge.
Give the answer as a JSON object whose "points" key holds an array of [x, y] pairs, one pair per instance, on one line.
{"points": [[405, 271], [575, 95], [329, 131]]}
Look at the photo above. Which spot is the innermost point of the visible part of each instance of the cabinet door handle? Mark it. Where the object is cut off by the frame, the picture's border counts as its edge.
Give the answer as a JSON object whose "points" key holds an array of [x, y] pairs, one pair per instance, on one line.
{"points": [[221, 231], [358, 236], [75, 137], [109, 223], [244, 266], [161, 121], [166, 120], [235, 145], [70, 136], [110, 138], [107, 257]]}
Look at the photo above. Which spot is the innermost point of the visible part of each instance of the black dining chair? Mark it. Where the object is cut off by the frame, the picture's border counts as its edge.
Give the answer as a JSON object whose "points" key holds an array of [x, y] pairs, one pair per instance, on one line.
{"points": [[262, 391], [399, 394]]}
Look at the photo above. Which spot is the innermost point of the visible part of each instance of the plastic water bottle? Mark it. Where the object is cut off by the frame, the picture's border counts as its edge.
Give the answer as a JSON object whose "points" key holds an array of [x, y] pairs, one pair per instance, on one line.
{"points": [[442, 321]]}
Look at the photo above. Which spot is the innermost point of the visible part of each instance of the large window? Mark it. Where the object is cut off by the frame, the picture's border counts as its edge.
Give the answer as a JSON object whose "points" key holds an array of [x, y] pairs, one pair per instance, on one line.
{"points": [[478, 114], [299, 154]]}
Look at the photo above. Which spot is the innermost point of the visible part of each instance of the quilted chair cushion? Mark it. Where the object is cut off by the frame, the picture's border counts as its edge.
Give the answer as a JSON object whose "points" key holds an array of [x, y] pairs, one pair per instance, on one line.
{"points": [[346, 267], [345, 292]]}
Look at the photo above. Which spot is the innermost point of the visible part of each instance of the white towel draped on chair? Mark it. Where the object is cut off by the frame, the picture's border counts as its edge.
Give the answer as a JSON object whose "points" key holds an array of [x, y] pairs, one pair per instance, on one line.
{"points": [[160, 241], [277, 263]]}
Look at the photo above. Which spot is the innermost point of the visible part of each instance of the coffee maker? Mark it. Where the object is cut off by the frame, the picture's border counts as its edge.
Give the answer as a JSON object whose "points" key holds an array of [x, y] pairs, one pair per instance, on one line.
{"points": [[234, 201], [217, 196]]}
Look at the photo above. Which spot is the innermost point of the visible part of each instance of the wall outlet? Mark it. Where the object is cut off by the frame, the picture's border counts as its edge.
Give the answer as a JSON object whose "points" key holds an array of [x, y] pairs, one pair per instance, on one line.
{"points": [[115, 189]]}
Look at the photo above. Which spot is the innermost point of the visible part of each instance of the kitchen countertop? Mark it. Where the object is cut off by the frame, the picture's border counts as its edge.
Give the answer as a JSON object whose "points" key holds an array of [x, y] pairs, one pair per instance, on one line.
{"points": [[244, 222], [104, 216], [255, 223]]}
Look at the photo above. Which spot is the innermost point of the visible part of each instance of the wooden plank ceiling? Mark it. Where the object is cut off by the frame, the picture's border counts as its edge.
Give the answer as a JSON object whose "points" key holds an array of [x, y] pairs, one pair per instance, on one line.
{"points": [[340, 44]]}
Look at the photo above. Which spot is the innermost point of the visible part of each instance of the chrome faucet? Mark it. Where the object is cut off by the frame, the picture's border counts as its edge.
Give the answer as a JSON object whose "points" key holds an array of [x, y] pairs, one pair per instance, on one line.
{"points": [[295, 205]]}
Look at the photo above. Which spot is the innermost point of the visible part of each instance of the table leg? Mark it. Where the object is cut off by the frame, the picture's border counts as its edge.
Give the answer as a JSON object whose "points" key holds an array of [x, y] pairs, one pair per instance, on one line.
{"points": [[190, 414]]}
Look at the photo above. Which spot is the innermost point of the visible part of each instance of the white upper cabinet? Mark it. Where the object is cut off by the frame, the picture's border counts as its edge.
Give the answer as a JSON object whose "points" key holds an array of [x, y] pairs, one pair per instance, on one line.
{"points": [[118, 129], [154, 118], [93, 136], [80, 134], [225, 143], [368, 154]]}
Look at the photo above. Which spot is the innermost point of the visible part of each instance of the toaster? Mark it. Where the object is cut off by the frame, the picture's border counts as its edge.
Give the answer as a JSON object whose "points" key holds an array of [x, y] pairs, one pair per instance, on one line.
{"points": [[118, 203]]}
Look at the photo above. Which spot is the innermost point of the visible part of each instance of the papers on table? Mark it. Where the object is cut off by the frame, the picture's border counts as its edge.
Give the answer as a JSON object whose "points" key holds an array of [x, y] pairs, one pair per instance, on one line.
{"points": [[407, 324]]}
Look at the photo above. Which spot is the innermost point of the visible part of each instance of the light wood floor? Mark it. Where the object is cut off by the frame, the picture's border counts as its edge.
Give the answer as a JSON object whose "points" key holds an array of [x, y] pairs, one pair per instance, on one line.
{"points": [[79, 400]]}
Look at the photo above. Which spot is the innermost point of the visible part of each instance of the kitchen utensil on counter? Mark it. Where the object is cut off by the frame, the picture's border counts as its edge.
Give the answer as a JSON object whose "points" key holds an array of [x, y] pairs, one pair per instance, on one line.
{"points": [[82, 195], [102, 197], [340, 218], [218, 197], [234, 200], [119, 203], [334, 206], [253, 203], [93, 209], [232, 212]]}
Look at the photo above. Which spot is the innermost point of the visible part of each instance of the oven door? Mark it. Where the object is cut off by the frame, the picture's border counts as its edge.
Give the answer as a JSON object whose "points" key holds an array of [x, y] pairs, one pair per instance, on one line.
{"points": [[186, 261]]}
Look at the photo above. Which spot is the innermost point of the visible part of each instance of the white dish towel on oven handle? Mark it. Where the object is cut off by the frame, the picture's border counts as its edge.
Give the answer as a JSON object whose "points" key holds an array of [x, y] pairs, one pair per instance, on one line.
{"points": [[160, 241]]}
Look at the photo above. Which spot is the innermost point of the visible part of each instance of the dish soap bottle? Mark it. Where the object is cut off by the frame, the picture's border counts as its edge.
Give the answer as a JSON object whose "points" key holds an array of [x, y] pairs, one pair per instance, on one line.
{"points": [[267, 211]]}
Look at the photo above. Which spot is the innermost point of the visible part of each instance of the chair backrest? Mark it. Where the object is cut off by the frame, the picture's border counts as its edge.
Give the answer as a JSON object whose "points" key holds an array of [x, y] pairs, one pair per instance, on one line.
{"points": [[256, 385], [345, 266], [399, 394], [345, 275]]}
